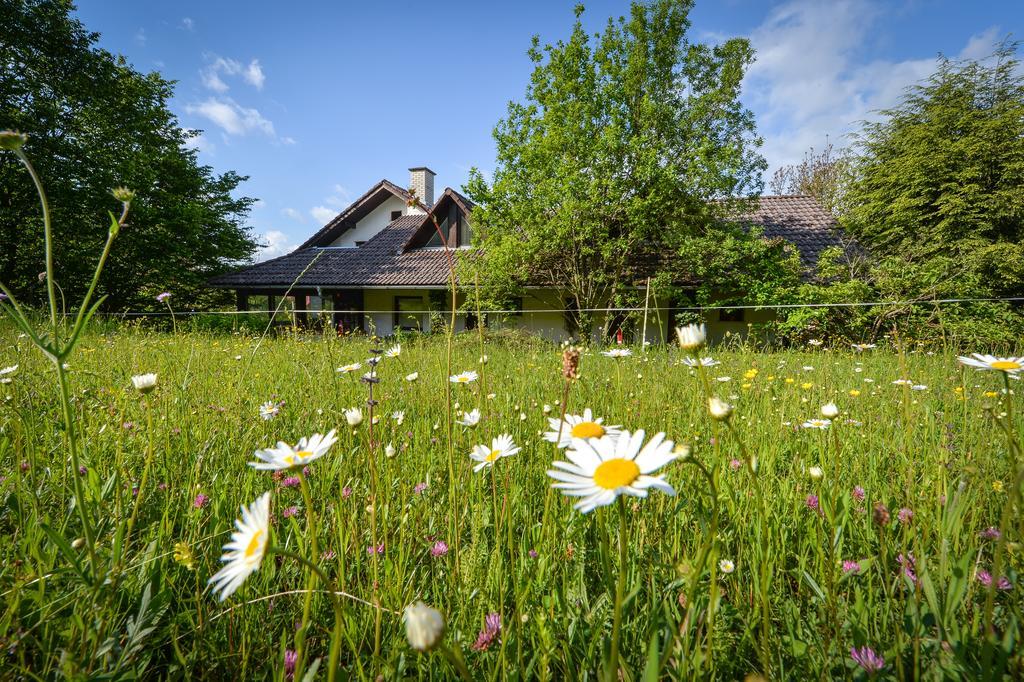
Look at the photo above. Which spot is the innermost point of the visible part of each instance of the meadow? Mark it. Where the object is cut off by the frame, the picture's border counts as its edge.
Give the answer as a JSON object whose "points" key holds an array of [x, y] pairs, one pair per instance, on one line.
{"points": [[861, 543]]}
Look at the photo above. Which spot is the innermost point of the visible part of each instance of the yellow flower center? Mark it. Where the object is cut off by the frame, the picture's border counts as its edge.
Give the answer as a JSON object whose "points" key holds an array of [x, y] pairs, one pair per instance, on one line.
{"points": [[303, 454], [1006, 365], [587, 430], [462, 380], [616, 473], [495, 454], [253, 544], [289, 460]]}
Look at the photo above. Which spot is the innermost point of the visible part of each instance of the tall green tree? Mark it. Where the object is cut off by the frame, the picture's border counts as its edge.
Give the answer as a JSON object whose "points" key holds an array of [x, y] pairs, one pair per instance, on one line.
{"points": [[612, 160], [95, 123], [938, 193]]}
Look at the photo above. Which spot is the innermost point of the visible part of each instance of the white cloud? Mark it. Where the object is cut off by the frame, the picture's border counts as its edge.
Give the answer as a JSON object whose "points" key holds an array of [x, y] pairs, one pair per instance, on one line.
{"points": [[340, 197], [212, 72], [287, 140], [294, 214], [140, 37], [211, 81], [322, 214], [810, 80], [253, 74], [259, 203], [188, 24], [232, 118], [275, 243]]}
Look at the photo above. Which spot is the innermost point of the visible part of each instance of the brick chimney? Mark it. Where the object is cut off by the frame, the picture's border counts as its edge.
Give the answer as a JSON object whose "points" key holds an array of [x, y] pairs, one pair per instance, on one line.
{"points": [[421, 181]]}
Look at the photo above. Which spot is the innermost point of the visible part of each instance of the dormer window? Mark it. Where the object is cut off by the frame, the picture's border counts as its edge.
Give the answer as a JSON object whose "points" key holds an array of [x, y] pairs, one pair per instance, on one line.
{"points": [[395, 215]]}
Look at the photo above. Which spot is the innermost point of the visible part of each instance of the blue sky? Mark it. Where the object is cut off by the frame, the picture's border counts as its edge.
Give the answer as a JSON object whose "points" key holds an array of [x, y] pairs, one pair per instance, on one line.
{"points": [[317, 101]]}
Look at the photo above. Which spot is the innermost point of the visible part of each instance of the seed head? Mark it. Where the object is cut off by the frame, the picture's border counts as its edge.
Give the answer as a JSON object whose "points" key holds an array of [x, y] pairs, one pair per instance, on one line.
{"points": [[881, 515], [571, 363]]}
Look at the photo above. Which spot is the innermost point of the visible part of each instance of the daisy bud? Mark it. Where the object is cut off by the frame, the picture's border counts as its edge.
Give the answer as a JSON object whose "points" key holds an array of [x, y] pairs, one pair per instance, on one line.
{"points": [[719, 409], [829, 411], [412, 377], [390, 451], [12, 140], [354, 416], [691, 337], [815, 473], [79, 543], [144, 383], [123, 194], [682, 452], [424, 626]]}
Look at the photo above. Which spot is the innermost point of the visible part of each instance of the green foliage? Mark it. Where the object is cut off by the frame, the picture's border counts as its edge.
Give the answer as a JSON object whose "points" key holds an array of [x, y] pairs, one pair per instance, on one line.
{"points": [[96, 123], [622, 141], [938, 195], [824, 175]]}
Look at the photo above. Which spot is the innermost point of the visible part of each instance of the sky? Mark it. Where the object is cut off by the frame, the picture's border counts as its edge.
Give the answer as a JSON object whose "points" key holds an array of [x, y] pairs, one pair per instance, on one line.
{"points": [[316, 102]]}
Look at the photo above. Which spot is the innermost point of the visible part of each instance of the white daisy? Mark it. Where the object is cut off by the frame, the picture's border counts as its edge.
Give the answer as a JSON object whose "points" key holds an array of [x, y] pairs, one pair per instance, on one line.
{"points": [[726, 566], [600, 470], [817, 423], [285, 457], [464, 378], [578, 426], [691, 337], [8, 370], [269, 410], [398, 416], [814, 342], [394, 351], [144, 383], [355, 366], [979, 361], [354, 416], [617, 353], [864, 346], [703, 362], [469, 419], [244, 553], [502, 446], [412, 377]]}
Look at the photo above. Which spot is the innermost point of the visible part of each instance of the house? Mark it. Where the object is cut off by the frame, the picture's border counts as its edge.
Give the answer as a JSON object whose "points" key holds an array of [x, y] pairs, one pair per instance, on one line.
{"points": [[380, 266]]}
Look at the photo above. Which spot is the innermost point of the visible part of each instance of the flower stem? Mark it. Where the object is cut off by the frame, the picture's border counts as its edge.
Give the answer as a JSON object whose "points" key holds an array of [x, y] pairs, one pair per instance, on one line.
{"points": [[620, 589], [300, 637]]}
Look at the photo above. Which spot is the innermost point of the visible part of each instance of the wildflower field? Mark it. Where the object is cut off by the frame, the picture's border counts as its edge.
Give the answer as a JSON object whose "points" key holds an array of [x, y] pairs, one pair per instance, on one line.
{"points": [[829, 514]]}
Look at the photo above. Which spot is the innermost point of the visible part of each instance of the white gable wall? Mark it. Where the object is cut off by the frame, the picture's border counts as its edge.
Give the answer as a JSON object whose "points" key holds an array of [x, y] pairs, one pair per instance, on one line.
{"points": [[373, 223]]}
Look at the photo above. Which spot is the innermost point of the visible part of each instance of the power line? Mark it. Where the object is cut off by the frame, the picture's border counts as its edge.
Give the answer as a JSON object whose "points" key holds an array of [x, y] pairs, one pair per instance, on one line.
{"points": [[626, 309]]}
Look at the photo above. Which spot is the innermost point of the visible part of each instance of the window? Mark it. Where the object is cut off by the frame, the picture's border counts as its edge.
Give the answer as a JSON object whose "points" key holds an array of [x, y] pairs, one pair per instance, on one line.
{"points": [[395, 215], [435, 238], [465, 231], [731, 315], [360, 243], [410, 313]]}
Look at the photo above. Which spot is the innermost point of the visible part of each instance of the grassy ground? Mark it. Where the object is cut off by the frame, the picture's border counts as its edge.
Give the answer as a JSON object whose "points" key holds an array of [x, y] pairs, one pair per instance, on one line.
{"points": [[793, 607]]}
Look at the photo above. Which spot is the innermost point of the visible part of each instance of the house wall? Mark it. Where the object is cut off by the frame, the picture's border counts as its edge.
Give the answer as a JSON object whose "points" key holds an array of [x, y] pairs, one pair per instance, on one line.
{"points": [[374, 222], [382, 302]]}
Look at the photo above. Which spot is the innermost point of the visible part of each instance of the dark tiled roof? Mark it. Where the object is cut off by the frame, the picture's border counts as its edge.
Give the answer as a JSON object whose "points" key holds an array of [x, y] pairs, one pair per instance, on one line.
{"points": [[383, 260], [801, 221], [370, 200], [378, 262]]}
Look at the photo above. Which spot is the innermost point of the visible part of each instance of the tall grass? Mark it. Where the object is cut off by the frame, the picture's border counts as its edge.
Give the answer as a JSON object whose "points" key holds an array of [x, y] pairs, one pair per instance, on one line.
{"points": [[914, 596]]}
